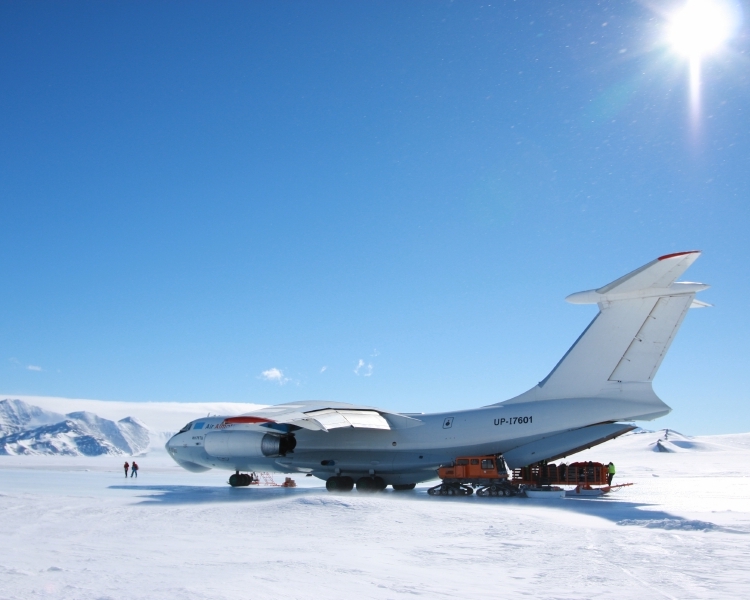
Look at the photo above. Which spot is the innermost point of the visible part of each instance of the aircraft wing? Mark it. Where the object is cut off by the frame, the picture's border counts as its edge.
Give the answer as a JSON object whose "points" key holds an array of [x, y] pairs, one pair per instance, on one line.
{"points": [[319, 415]]}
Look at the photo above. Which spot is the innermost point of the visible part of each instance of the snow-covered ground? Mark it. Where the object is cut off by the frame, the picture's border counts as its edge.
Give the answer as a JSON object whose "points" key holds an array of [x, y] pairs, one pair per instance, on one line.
{"points": [[73, 527]]}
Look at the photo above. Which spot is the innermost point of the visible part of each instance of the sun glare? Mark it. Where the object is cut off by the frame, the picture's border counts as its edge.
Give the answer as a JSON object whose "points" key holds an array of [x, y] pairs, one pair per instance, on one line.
{"points": [[700, 27]]}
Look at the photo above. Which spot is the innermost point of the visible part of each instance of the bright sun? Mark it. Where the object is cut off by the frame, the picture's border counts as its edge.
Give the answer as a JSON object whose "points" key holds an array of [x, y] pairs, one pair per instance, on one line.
{"points": [[701, 27]]}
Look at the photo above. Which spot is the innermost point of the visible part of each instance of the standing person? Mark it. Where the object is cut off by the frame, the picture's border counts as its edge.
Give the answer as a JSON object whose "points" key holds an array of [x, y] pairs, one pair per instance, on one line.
{"points": [[127, 466], [134, 470], [610, 472]]}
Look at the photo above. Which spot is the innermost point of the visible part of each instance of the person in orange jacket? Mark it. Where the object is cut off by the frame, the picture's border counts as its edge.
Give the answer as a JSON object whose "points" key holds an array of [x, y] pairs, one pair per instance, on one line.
{"points": [[127, 466]]}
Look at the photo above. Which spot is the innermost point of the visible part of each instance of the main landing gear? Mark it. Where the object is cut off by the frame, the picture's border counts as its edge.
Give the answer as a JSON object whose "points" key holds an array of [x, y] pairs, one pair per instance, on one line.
{"points": [[241, 479], [367, 485], [403, 487], [339, 484], [371, 484]]}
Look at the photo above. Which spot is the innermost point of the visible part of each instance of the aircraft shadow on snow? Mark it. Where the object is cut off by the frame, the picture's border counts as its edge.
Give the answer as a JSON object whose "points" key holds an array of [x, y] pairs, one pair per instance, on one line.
{"points": [[611, 509], [195, 494]]}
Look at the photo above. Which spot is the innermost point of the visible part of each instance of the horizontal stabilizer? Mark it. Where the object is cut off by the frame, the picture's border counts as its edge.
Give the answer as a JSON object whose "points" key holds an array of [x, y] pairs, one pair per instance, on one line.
{"points": [[657, 278], [659, 273]]}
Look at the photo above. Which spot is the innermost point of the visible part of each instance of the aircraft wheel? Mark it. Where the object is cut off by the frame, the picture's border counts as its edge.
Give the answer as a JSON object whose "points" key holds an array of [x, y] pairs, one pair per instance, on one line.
{"points": [[379, 484], [365, 484], [234, 480], [403, 487], [339, 484]]}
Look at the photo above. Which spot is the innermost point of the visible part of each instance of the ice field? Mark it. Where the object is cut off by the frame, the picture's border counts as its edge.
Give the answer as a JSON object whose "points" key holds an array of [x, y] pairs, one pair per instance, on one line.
{"points": [[75, 528]]}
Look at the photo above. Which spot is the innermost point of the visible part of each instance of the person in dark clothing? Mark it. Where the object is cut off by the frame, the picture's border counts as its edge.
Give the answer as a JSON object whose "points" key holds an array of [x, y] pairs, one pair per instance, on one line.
{"points": [[127, 466], [134, 470]]}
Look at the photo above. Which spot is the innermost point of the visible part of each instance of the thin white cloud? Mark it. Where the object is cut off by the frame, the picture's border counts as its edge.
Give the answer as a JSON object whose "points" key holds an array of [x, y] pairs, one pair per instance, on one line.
{"points": [[375, 352], [323, 369], [17, 364], [274, 375], [363, 369]]}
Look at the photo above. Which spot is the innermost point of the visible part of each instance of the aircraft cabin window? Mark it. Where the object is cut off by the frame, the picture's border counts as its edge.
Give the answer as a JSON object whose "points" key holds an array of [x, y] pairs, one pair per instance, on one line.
{"points": [[488, 464], [186, 428]]}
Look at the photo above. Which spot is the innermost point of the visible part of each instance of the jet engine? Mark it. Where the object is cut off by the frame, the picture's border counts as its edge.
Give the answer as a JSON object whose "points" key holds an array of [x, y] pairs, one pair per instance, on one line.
{"points": [[247, 444]]}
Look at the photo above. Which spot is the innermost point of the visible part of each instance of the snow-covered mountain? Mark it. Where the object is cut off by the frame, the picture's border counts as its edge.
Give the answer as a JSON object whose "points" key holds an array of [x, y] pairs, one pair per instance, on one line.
{"points": [[16, 415], [27, 429]]}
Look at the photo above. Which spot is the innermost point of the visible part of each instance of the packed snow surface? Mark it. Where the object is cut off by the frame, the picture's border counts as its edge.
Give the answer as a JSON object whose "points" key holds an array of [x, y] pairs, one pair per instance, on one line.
{"points": [[74, 527]]}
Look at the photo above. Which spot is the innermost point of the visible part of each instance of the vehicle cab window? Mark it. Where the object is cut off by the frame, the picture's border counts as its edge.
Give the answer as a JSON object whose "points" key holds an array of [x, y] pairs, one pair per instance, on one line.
{"points": [[488, 464]]}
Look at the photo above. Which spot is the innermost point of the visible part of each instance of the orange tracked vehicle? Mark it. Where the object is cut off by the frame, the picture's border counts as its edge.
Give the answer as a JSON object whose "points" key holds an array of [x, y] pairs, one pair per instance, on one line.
{"points": [[487, 473]]}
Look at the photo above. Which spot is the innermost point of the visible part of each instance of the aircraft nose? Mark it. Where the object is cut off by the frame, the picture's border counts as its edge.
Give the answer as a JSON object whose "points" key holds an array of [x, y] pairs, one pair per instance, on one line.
{"points": [[171, 445]]}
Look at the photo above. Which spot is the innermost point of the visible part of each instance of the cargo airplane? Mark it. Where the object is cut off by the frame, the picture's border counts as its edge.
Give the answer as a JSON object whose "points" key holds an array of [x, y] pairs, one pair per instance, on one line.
{"points": [[601, 384]]}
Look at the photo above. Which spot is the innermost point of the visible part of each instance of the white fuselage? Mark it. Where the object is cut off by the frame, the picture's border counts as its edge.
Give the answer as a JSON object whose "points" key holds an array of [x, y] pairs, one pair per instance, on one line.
{"points": [[412, 454]]}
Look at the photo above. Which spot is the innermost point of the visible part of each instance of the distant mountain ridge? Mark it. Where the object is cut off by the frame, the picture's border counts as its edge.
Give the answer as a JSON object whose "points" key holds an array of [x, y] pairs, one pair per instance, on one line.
{"points": [[27, 429]]}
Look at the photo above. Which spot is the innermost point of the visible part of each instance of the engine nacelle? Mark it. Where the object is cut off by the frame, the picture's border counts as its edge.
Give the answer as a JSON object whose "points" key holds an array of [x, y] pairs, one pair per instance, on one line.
{"points": [[247, 444]]}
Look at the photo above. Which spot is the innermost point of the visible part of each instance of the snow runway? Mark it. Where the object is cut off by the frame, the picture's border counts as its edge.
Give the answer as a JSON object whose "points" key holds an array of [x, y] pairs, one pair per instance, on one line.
{"points": [[75, 528]]}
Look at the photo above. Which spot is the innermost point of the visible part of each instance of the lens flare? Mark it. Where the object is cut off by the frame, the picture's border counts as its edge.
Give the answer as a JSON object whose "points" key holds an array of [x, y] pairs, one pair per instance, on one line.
{"points": [[701, 27]]}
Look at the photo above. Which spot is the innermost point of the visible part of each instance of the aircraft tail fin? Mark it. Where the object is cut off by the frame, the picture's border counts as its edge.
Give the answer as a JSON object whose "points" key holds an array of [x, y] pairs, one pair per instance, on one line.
{"points": [[639, 315]]}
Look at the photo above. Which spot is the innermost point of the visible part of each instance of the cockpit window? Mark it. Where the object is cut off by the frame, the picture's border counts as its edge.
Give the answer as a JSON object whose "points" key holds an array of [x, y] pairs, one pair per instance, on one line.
{"points": [[186, 428]]}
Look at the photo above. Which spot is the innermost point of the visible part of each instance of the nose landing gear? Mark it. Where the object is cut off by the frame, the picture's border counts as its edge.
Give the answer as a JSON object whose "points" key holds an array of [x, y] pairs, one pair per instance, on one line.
{"points": [[242, 479]]}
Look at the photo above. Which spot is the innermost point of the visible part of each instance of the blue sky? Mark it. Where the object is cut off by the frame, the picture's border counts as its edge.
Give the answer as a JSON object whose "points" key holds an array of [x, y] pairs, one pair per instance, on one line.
{"points": [[194, 194]]}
